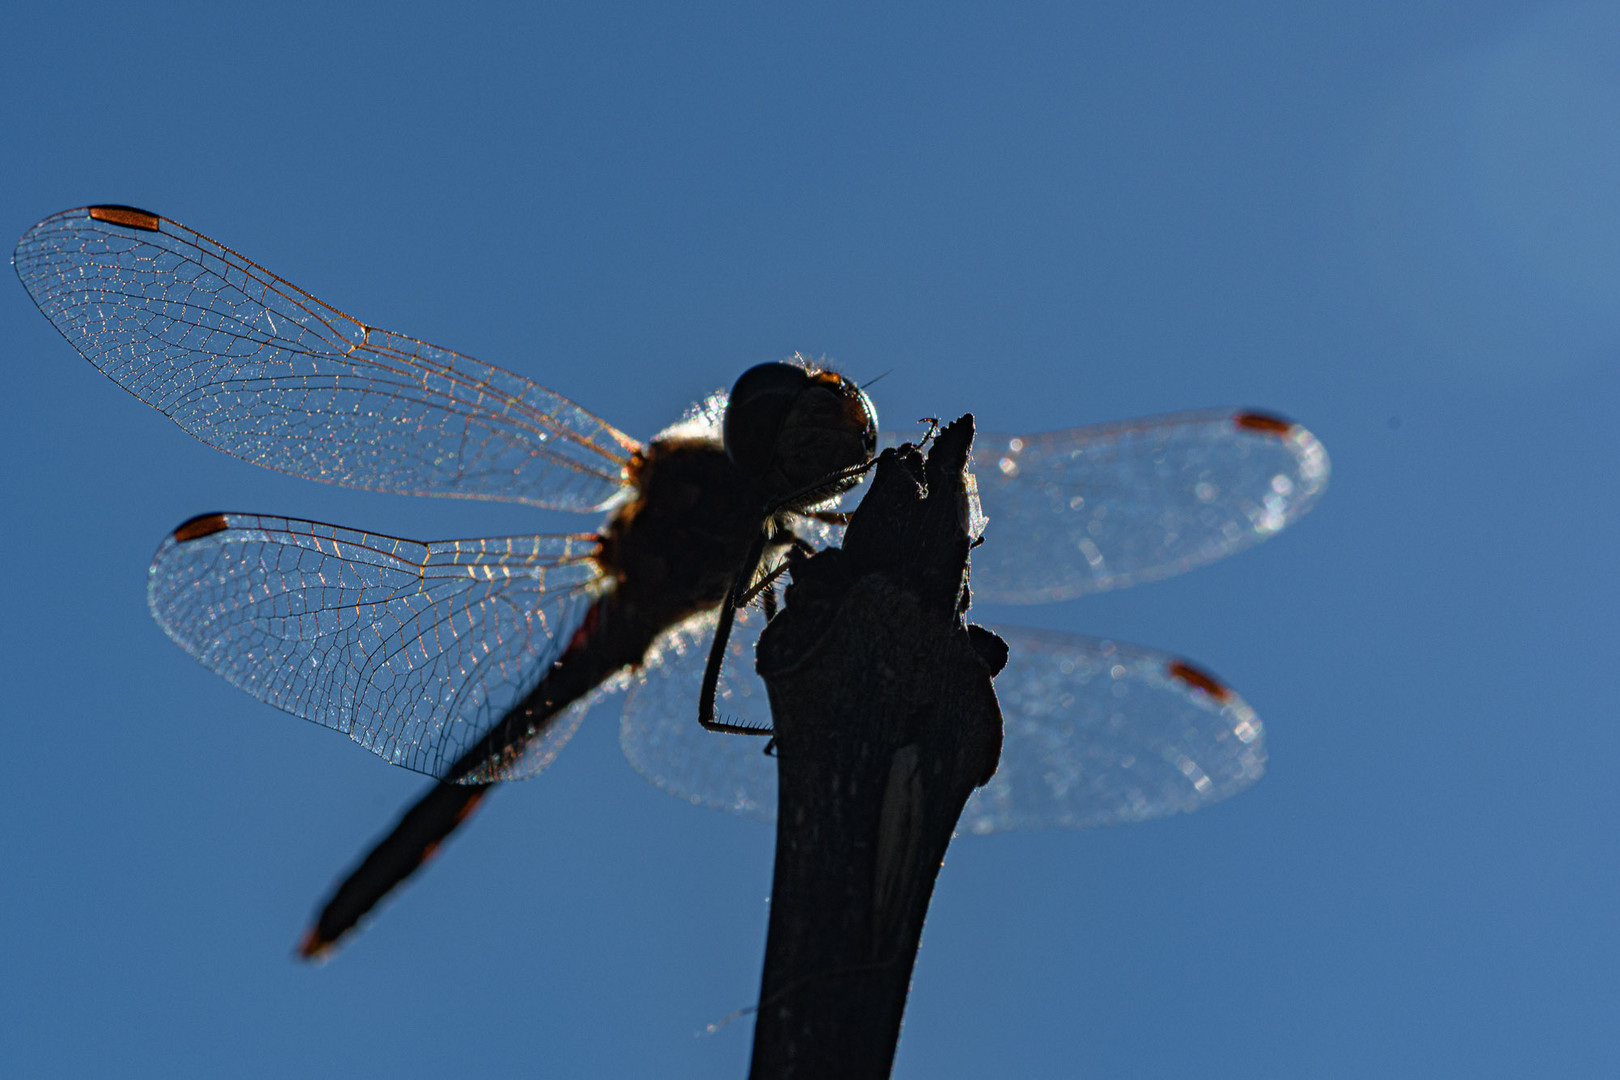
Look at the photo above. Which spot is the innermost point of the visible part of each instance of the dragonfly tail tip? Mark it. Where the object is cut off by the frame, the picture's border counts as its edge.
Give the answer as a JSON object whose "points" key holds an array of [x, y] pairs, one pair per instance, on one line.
{"points": [[314, 948]]}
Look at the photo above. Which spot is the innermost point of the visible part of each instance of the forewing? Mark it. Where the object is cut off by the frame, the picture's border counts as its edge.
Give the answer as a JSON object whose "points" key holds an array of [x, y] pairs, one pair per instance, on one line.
{"points": [[1096, 508], [256, 367], [1100, 732], [1067, 513], [1096, 732], [659, 730], [413, 650]]}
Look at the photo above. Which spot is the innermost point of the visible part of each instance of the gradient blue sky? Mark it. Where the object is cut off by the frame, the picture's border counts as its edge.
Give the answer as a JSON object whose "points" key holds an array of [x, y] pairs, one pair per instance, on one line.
{"points": [[1397, 223]]}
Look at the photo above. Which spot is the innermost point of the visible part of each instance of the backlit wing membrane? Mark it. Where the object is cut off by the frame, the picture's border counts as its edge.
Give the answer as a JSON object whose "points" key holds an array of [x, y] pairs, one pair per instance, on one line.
{"points": [[1103, 507], [659, 732], [256, 367], [1096, 732], [1100, 732], [412, 650], [1097, 508]]}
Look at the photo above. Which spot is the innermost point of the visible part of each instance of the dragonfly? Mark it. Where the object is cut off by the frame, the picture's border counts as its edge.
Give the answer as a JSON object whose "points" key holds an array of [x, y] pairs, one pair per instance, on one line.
{"points": [[474, 661]]}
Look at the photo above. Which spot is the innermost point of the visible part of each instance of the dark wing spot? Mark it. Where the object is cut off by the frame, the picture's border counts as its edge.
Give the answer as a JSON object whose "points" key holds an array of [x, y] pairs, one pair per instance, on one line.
{"points": [[127, 216], [200, 526], [1255, 421], [1180, 669]]}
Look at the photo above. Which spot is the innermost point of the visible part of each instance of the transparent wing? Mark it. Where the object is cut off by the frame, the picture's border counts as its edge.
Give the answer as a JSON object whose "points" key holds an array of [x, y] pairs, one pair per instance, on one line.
{"points": [[1096, 508], [1097, 732], [1110, 505], [659, 732], [412, 650], [256, 367]]}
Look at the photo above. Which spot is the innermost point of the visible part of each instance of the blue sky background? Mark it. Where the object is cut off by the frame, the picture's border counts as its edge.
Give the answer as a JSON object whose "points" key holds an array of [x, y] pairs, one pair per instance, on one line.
{"points": [[1397, 223]]}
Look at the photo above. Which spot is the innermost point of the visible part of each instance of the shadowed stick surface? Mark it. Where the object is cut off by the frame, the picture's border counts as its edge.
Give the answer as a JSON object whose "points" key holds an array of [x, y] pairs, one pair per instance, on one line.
{"points": [[885, 722]]}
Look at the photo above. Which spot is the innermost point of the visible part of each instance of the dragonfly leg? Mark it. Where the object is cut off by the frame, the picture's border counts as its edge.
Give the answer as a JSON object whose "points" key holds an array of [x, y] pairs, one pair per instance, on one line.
{"points": [[823, 489], [717, 648], [797, 548]]}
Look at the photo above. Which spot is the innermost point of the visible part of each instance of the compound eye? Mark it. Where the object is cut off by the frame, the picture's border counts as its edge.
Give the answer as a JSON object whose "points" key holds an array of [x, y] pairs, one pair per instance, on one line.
{"points": [[759, 405]]}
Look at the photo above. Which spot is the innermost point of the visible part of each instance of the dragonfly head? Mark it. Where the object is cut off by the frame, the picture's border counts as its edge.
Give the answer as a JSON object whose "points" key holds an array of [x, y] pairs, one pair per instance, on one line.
{"points": [[788, 427]]}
